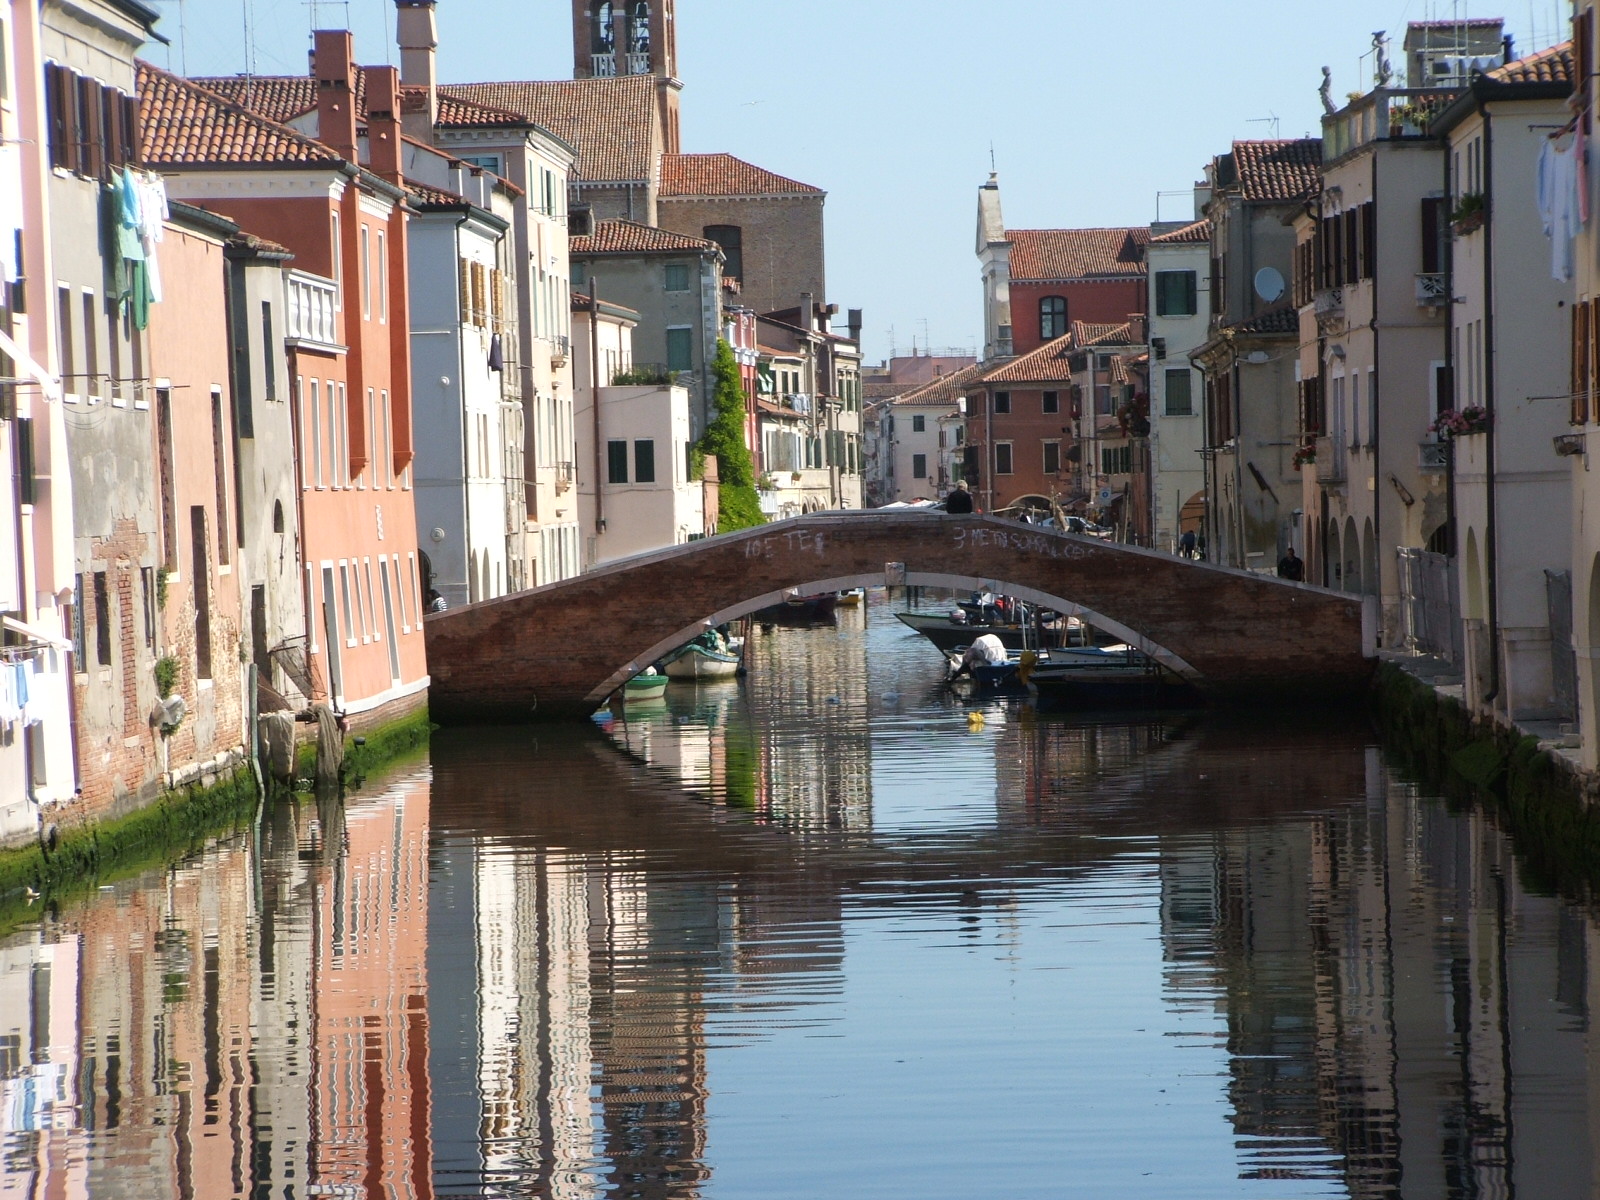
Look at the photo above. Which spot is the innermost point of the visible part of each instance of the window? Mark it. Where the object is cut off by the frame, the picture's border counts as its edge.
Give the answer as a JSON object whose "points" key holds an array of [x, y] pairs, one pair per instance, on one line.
{"points": [[680, 349], [69, 366], [1052, 458], [731, 239], [488, 162], [1002, 458], [919, 423], [1052, 317], [1180, 392], [219, 472], [269, 351], [91, 347], [677, 277], [1175, 294], [1050, 402], [644, 461], [165, 476], [337, 253], [102, 620], [200, 589], [1002, 402], [617, 462], [147, 585], [314, 421], [80, 651], [1116, 460], [919, 466], [580, 273], [366, 272], [383, 278]]}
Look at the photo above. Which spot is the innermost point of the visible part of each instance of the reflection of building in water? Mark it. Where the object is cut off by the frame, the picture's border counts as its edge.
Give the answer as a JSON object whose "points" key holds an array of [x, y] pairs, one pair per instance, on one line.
{"points": [[1349, 1063], [369, 1029], [1041, 765], [815, 687]]}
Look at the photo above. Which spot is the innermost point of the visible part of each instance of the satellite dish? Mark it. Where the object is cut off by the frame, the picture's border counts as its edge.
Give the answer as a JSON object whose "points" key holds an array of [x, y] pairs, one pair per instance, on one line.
{"points": [[1269, 284]]}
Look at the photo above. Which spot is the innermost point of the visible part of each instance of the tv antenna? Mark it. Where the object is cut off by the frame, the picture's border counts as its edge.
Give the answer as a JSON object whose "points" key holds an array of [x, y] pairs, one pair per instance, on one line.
{"points": [[1270, 119]]}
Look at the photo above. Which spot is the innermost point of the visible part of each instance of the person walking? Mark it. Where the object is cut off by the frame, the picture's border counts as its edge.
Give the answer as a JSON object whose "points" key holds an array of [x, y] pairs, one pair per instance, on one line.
{"points": [[1186, 544], [959, 500], [1291, 566]]}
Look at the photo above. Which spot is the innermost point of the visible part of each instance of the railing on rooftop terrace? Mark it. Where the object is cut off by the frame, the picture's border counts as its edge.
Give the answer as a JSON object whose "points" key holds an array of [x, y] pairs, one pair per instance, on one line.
{"points": [[603, 66], [638, 64]]}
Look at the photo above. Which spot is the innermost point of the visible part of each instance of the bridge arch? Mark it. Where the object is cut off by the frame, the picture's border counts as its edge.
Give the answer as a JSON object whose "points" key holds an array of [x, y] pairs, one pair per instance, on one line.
{"points": [[560, 649]]}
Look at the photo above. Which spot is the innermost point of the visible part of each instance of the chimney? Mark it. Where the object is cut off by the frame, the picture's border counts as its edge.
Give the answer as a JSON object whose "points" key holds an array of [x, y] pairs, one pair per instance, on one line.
{"points": [[383, 123], [808, 312], [854, 324], [418, 34], [336, 91]]}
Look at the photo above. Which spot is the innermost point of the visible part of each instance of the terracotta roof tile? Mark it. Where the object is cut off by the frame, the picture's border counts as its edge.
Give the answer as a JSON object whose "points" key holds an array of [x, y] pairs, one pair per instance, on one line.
{"points": [[1282, 169], [946, 389], [1284, 319], [184, 124], [725, 175], [1200, 231], [630, 237], [1122, 333], [1077, 253], [283, 98], [1047, 364], [1548, 66], [432, 197], [610, 122]]}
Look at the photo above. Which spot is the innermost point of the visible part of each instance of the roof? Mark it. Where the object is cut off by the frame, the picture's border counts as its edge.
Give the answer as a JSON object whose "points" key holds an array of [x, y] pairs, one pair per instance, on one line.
{"points": [[629, 237], [1548, 66], [1280, 169], [1047, 364], [1283, 319], [184, 124], [725, 175], [1077, 253], [610, 121], [768, 408], [1092, 333], [944, 390], [1200, 231], [283, 98], [432, 197]]}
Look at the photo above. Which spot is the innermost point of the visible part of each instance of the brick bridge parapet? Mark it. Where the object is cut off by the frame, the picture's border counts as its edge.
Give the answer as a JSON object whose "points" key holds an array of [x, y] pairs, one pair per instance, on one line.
{"points": [[559, 650]]}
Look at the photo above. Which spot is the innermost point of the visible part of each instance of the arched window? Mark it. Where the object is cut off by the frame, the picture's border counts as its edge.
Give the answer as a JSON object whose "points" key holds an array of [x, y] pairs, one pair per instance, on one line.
{"points": [[639, 27], [603, 39], [1052, 317], [731, 239]]}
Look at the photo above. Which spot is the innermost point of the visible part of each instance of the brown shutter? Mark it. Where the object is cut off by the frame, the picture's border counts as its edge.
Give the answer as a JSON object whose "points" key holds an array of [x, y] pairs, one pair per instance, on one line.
{"points": [[1580, 362], [133, 144], [58, 109], [466, 292], [1369, 239], [1352, 247], [91, 152], [1591, 358], [1583, 61], [111, 121]]}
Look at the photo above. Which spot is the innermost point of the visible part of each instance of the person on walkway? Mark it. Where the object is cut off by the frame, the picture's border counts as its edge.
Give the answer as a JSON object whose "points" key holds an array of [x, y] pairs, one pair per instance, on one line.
{"points": [[959, 500], [1186, 544], [1291, 566], [435, 601]]}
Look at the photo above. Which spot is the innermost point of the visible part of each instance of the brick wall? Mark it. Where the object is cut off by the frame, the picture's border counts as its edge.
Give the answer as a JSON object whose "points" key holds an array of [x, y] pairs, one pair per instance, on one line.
{"points": [[783, 243], [546, 652]]}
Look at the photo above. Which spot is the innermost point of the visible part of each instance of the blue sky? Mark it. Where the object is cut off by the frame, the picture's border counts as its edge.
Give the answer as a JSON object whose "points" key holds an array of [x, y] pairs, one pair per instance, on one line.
{"points": [[892, 105]]}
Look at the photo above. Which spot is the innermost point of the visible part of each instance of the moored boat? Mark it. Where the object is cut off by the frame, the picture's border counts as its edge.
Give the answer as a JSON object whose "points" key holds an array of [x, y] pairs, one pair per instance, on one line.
{"points": [[1108, 677], [799, 610], [695, 661], [646, 686]]}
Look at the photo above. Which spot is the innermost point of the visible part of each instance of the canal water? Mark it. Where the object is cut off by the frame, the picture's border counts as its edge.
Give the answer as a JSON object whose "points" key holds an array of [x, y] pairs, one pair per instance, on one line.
{"points": [[831, 931]]}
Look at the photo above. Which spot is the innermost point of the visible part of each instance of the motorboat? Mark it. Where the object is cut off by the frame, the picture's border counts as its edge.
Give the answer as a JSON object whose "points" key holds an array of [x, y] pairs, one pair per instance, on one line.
{"points": [[1108, 677], [852, 598], [799, 610], [647, 685]]}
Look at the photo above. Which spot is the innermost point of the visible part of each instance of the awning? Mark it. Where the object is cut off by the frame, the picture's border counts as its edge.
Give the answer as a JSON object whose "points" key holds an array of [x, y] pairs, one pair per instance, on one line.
{"points": [[25, 363], [32, 634]]}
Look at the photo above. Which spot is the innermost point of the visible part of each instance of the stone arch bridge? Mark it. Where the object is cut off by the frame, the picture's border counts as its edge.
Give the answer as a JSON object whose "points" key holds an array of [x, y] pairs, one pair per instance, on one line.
{"points": [[560, 650]]}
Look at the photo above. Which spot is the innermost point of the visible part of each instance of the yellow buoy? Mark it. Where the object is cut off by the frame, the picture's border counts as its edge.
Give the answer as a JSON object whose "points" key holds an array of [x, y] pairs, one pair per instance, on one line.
{"points": [[975, 720]]}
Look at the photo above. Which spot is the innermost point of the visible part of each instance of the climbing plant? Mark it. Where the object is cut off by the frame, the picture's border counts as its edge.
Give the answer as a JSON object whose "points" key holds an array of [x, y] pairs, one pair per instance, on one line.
{"points": [[739, 507]]}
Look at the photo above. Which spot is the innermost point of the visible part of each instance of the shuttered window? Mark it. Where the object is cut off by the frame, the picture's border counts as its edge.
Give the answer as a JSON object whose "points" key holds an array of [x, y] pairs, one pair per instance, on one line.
{"points": [[1581, 326]]}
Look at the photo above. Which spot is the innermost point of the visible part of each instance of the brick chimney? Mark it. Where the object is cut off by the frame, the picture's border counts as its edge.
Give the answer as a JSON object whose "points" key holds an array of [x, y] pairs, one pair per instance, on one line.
{"points": [[333, 65], [383, 122], [418, 35]]}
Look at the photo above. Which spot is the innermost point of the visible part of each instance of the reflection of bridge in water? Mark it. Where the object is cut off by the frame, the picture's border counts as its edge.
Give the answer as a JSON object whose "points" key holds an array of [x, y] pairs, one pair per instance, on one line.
{"points": [[561, 649]]}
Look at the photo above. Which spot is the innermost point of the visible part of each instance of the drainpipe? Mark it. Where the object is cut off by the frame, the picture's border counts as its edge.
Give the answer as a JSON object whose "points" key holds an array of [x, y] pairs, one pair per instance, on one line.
{"points": [[594, 403], [1449, 244], [466, 474], [1374, 426], [1490, 554], [989, 456]]}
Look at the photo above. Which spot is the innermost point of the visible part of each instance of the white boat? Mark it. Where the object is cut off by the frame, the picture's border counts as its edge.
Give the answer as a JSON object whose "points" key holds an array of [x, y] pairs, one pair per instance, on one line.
{"points": [[695, 661]]}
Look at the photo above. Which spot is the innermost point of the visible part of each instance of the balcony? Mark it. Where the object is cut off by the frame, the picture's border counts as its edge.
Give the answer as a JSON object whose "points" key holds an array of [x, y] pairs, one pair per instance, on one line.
{"points": [[312, 302], [560, 348], [639, 64], [566, 473], [603, 66], [1329, 302], [1431, 291]]}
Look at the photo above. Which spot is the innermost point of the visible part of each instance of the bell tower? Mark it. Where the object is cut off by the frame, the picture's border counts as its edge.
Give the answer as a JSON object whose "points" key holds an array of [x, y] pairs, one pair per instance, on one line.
{"points": [[630, 37]]}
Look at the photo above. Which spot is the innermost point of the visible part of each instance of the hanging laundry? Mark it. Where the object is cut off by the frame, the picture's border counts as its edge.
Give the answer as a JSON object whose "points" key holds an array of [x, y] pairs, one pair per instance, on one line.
{"points": [[10, 212], [497, 357], [28, 694], [10, 710], [1558, 204]]}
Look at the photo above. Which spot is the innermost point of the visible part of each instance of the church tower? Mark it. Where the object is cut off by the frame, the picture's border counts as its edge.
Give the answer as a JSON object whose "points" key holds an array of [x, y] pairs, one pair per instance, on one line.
{"points": [[631, 37]]}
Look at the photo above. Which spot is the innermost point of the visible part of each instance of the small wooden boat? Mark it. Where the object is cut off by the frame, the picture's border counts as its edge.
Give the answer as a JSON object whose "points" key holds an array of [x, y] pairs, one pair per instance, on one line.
{"points": [[853, 598], [1108, 677], [695, 661], [948, 634], [645, 686]]}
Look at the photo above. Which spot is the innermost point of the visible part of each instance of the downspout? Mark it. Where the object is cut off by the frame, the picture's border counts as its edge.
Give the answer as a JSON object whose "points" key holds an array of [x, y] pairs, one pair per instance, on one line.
{"points": [[1374, 391], [466, 474], [594, 403], [1236, 402], [1489, 538], [989, 455], [1449, 359]]}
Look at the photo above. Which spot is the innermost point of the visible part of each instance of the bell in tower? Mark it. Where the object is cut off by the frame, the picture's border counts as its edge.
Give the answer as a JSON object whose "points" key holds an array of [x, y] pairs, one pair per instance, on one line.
{"points": [[623, 37]]}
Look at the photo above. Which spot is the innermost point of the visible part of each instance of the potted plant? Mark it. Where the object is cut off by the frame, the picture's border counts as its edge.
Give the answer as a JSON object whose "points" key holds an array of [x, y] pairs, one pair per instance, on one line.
{"points": [[1305, 453], [1452, 423], [1469, 213]]}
